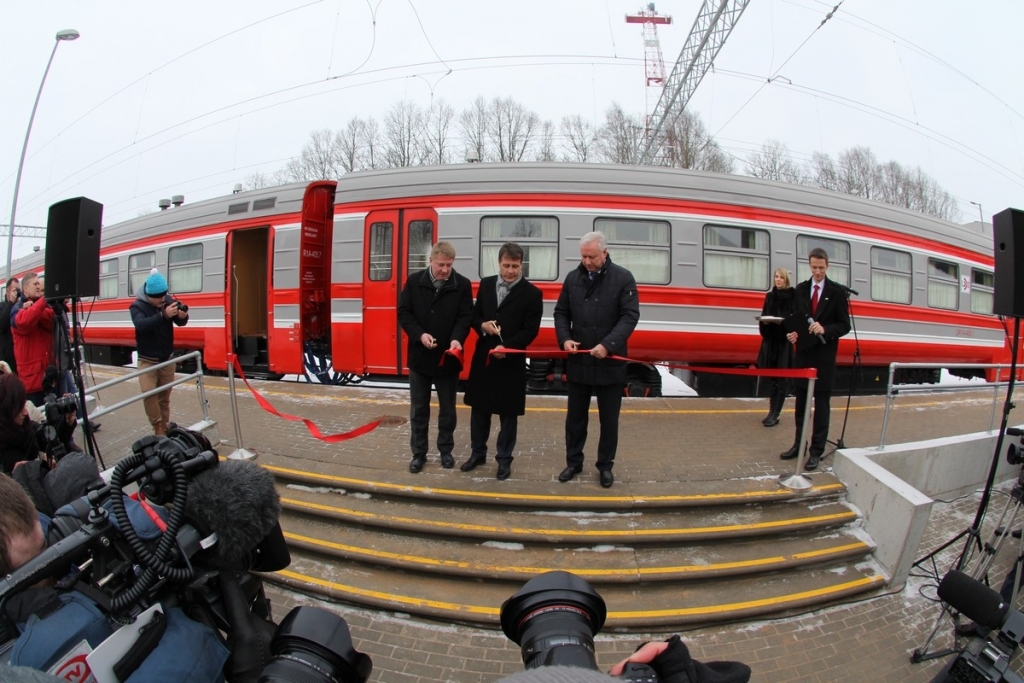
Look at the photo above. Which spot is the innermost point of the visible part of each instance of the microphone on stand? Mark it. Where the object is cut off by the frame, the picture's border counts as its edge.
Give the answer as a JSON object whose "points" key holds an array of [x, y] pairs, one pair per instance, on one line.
{"points": [[848, 290], [821, 338]]}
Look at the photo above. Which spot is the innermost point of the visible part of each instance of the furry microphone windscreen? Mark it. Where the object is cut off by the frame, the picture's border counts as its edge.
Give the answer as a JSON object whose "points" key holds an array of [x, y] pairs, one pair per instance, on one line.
{"points": [[237, 501]]}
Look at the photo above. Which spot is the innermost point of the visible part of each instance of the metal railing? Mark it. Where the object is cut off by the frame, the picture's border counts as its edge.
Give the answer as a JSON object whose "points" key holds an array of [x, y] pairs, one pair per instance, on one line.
{"points": [[892, 389], [196, 376]]}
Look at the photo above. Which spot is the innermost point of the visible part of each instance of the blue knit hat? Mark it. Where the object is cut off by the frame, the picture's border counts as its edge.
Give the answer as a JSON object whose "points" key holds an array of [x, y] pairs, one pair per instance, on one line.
{"points": [[156, 284]]}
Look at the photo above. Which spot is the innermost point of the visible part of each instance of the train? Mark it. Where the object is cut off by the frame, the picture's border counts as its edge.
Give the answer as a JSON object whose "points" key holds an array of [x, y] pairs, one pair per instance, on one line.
{"points": [[304, 278]]}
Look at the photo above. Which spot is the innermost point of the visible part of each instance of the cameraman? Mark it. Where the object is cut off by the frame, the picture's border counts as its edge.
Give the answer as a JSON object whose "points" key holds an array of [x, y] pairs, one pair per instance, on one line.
{"points": [[32, 329], [154, 314], [21, 438]]}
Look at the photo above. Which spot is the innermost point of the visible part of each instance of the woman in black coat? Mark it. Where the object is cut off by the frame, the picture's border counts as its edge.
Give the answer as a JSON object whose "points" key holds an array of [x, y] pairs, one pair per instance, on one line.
{"points": [[20, 437], [776, 351]]}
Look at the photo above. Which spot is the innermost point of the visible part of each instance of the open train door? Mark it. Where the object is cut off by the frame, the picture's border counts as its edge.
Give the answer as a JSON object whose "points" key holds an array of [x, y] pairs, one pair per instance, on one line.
{"points": [[396, 242]]}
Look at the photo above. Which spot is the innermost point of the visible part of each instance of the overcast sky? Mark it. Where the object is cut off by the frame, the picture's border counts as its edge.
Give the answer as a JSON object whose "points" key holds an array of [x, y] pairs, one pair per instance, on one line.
{"points": [[190, 97]]}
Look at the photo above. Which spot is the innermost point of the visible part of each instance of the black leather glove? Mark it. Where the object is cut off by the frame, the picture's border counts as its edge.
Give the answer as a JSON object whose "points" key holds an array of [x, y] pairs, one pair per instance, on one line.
{"points": [[249, 637], [675, 665]]}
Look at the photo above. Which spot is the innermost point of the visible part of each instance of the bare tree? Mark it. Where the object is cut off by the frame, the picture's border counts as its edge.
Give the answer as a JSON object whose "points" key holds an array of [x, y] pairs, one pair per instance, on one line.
{"points": [[473, 123], [256, 181], [858, 172], [689, 145], [823, 172], [351, 144], [580, 138], [772, 162], [435, 144], [319, 159], [546, 148], [403, 123], [511, 130], [620, 137]]}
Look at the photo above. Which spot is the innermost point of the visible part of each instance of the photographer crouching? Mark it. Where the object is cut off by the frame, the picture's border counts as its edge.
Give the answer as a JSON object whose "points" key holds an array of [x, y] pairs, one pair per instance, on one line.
{"points": [[24, 439], [155, 313]]}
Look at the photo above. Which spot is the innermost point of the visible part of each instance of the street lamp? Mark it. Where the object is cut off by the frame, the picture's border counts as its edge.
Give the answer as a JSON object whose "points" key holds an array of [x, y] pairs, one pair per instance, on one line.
{"points": [[981, 216], [66, 34]]}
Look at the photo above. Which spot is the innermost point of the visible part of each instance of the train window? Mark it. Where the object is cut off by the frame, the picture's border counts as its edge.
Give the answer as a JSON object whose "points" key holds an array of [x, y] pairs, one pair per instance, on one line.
{"points": [[838, 258], [537, 235], [735, 257], [421, 239], [642, 247], [139, 266], [982, 291], [108, 279], [943, 284], [891, 275], [185, 268], [381, 236]]}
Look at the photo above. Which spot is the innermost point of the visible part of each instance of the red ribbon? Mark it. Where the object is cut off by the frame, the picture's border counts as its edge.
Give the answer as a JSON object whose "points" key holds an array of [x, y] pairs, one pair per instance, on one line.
{"points": [[310, 425], [454, 353], [796, 373]]}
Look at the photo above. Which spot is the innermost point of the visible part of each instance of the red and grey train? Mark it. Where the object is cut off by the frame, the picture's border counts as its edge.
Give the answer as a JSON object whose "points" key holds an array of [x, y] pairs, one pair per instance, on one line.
{"points": [[305, 278]]}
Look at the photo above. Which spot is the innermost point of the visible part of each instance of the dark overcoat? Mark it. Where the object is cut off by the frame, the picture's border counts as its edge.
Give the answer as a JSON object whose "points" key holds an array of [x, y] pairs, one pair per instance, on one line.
{"points": [[604, 311], [443, 313], [776, 351], [834, 315], [499, 387], [6, 338]]}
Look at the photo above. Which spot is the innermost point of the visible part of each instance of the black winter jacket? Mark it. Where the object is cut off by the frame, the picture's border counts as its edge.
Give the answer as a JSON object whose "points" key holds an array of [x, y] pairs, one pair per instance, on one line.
{"points": [[154, 331], [6, 337], [445, 314], [603, 311]]}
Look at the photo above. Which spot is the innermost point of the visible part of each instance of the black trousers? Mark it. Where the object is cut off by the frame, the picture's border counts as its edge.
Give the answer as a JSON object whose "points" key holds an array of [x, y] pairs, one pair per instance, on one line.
{"points": [[609, 401], [822, 413], [419, 411], [480, 430]]}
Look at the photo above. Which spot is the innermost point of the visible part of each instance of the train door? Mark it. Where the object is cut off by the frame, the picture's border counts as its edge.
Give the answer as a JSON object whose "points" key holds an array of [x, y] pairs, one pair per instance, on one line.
{"points": [[397, 242], [246, 319]]}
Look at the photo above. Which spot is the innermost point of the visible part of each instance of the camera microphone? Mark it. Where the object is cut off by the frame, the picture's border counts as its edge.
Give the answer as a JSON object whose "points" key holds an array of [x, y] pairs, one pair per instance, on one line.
{"points": [[821, 338], [973, 599], [236, 505]]}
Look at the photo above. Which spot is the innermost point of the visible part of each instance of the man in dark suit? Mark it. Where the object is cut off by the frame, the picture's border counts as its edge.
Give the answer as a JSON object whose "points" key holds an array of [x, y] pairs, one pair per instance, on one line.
{"points": [[506, 316], [434, 310], [823, 303], [596, 312]]}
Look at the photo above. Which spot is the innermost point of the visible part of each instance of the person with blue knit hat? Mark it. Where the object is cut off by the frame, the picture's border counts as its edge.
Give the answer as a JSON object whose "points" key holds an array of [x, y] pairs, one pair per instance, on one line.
{"points": [[155, 313]]}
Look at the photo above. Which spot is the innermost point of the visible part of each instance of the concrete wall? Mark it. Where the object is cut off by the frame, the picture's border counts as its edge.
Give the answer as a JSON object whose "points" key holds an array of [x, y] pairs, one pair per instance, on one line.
{"points": [[893, 488]]}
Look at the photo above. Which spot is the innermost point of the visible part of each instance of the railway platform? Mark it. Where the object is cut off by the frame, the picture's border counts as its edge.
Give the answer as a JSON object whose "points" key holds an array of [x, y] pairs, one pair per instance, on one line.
{"points": [[670, 448]]}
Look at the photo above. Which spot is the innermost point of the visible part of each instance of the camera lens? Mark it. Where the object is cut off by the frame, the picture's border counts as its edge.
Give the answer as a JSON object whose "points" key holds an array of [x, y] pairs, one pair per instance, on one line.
{"points": [[553, 619], [313, 645]]}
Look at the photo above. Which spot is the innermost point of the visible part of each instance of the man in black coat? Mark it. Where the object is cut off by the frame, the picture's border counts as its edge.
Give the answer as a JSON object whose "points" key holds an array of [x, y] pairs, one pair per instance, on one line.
{"points": [[12, 293], [506, 315], [825, 304], [597, 310], [434, 309]]}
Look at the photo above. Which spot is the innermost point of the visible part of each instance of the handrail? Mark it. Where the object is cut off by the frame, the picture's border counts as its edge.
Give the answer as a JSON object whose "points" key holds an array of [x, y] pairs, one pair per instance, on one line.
{"points": [[204, 405], [893, 389]]}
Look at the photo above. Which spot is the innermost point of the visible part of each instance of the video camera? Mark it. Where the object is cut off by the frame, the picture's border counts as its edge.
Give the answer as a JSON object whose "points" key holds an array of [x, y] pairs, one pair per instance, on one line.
{"points": [[985, 659]]}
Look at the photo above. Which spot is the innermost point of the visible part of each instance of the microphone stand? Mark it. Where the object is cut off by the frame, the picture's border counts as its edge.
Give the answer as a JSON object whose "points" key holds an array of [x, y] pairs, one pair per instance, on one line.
{"points": [[855, 370]]}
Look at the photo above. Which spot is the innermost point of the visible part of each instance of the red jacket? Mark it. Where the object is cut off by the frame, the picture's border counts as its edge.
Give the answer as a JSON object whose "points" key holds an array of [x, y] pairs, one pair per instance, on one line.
{"points": [[32, 329]]}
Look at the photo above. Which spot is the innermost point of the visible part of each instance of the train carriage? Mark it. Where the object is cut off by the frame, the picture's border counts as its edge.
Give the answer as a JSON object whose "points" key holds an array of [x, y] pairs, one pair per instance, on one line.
{"points": [[306, 277]]}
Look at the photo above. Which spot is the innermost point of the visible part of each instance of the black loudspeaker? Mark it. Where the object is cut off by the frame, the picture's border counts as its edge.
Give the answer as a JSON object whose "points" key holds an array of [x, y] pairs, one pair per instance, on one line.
{"points": [[73, 249]]}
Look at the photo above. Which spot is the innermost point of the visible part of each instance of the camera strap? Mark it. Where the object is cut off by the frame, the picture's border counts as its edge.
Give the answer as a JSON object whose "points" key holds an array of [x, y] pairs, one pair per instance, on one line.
{"points": [[148, 638]]}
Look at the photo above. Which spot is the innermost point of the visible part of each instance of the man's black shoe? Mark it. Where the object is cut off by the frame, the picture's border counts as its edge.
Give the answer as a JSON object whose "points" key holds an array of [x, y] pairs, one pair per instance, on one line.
{"points": [[472, 464], [94, 426], [607, 479], [812, 462], [569, 472], [771, 421], [417, 463], [504, 471], [790, 454], [447, 461]]}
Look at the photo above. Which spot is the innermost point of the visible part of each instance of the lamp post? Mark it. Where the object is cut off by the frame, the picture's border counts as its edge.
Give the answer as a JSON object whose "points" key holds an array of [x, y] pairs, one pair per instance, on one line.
{"points": [[66, 34], [981, 216]]}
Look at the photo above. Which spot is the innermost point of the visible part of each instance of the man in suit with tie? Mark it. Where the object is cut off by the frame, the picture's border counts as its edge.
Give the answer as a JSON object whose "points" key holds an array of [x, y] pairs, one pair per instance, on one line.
{"points": [[823, 303], [506, 315]]}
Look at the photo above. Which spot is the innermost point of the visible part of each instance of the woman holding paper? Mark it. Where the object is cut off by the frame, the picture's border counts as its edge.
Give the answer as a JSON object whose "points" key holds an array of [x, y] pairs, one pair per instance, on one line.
{"points": [[776, 351]]}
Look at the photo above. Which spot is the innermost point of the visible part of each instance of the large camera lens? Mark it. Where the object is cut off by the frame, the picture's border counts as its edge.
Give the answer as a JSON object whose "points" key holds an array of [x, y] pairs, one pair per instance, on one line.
{"points": [[313, 645], [554, 619]]}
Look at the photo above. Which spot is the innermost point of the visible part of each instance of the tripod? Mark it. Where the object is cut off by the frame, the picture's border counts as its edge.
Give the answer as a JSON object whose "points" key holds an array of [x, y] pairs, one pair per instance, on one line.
{"points": [[69, 362], [973, 533]]}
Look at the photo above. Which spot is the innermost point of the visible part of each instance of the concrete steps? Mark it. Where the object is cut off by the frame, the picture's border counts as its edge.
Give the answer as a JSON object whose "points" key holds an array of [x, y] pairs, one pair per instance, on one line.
{"points": [[453, 547]]}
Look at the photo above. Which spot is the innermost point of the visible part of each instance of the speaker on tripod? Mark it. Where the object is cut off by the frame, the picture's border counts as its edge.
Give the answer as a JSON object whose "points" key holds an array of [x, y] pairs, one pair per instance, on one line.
{"points": [[73, 249], [1008, 233]]}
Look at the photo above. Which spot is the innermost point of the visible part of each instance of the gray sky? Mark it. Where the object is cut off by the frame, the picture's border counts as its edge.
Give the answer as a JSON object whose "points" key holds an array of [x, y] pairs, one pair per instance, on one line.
{"points": [[191, 97]]}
